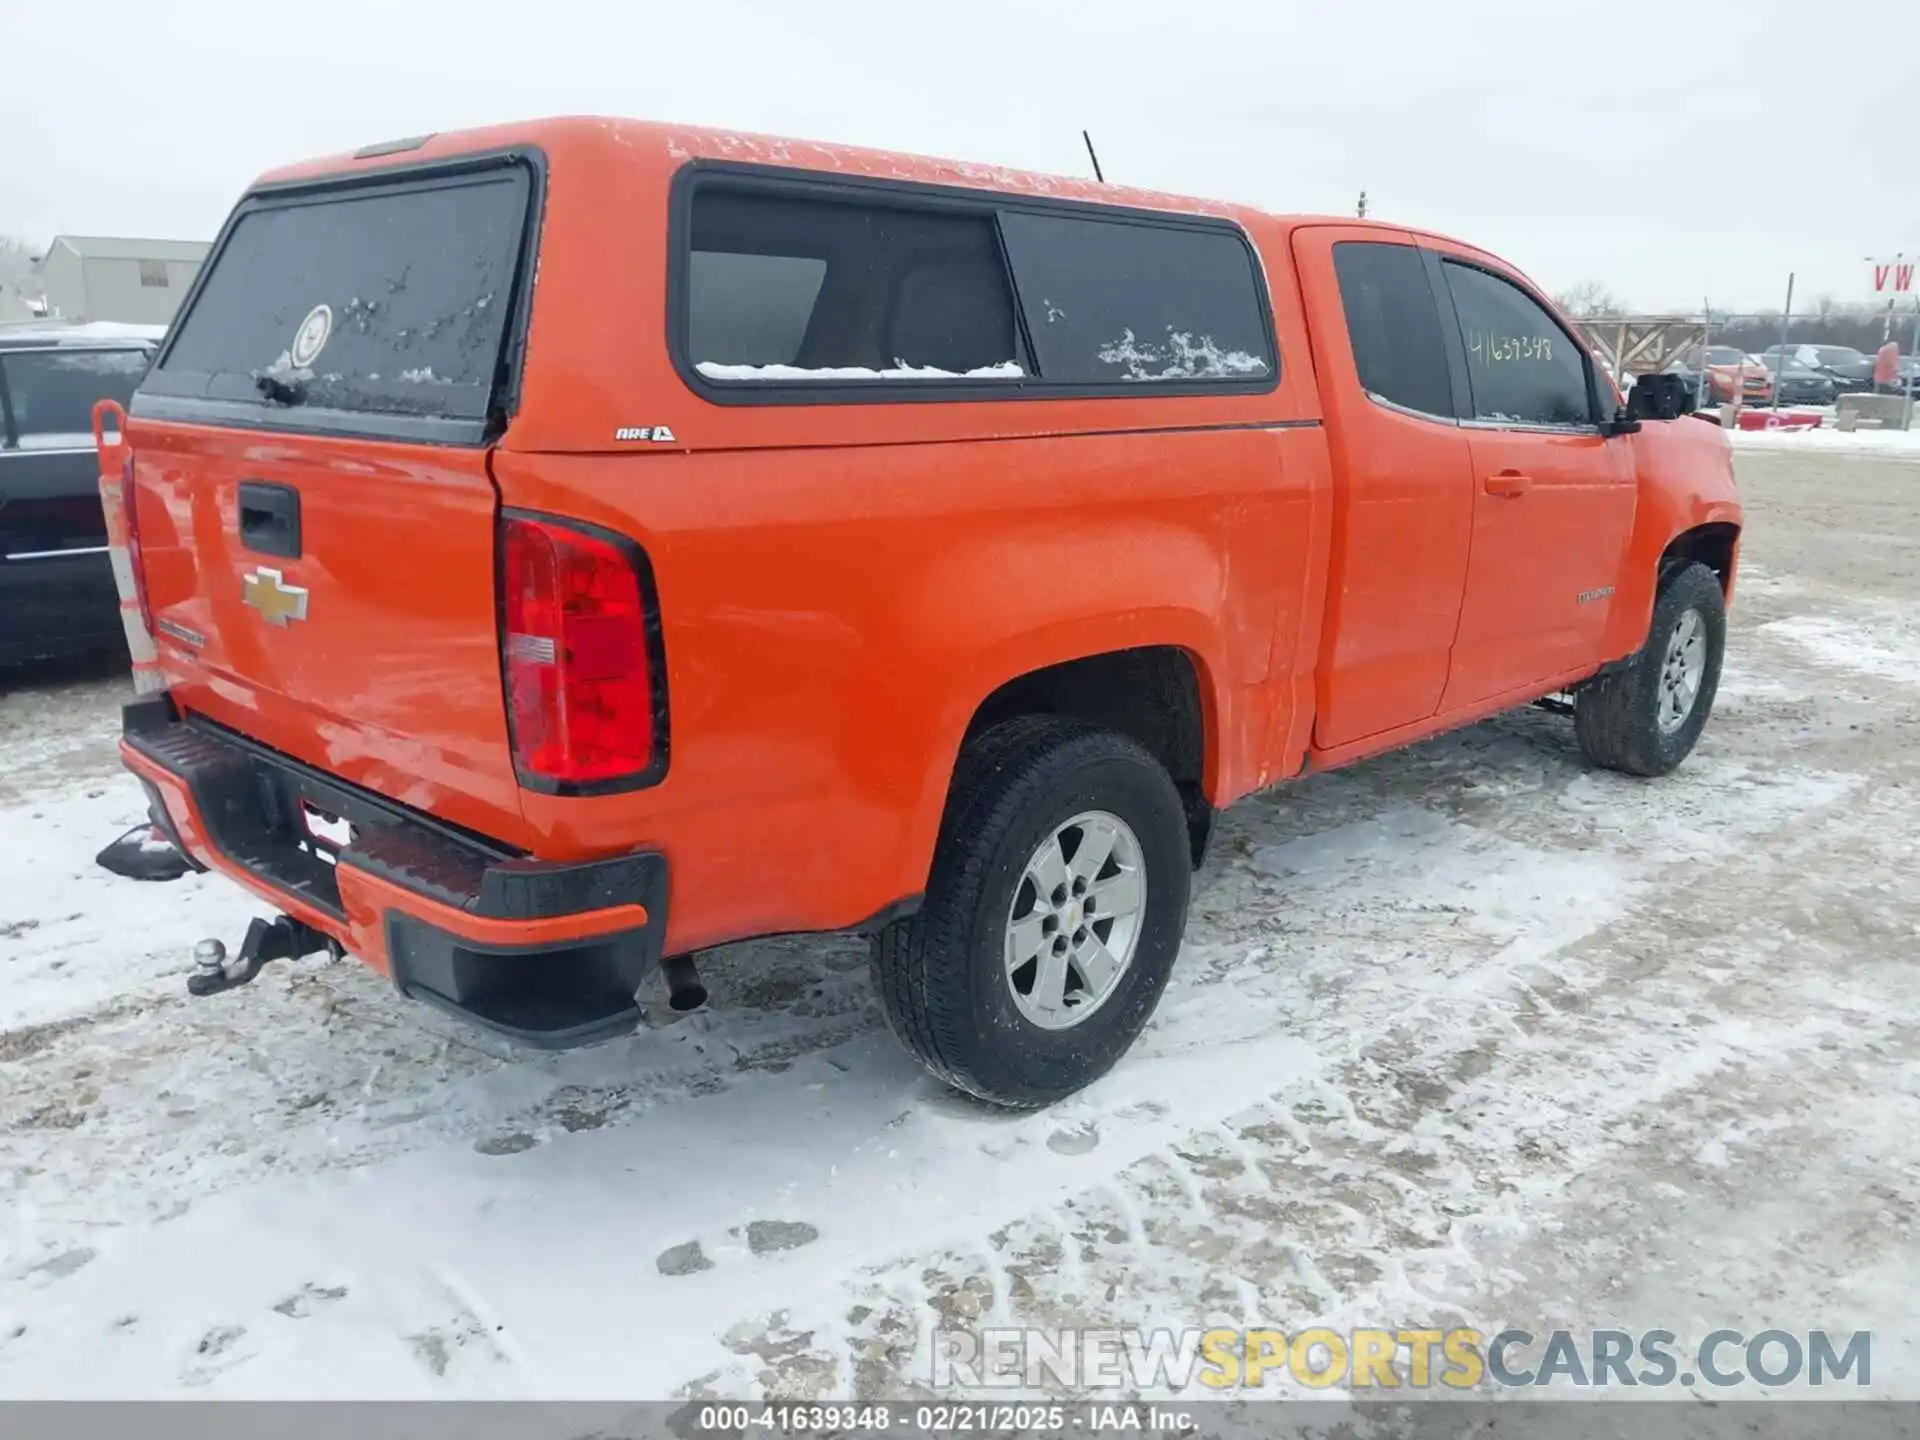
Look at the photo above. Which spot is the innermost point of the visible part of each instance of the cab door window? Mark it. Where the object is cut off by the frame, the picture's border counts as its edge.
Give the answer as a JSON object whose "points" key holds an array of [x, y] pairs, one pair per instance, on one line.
{"points": [[1523, 368]]}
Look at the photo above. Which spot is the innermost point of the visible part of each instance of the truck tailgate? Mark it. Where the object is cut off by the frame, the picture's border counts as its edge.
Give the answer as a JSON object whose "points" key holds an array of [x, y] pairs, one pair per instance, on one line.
{"points": [[312, 507], [372, 653]]}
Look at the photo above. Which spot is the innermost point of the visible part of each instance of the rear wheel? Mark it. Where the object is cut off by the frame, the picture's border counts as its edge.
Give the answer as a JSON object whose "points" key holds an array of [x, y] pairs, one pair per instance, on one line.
{"points": [[1052, 916], [1645, 717]]}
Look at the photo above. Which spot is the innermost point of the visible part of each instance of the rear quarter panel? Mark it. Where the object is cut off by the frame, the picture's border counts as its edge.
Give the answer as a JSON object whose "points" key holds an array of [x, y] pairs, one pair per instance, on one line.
{"points": [[842, 585], [834, 616]]}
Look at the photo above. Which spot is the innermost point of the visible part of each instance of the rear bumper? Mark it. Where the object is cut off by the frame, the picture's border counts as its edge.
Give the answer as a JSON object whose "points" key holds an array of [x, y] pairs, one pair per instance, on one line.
{"points": [[550, 954]]}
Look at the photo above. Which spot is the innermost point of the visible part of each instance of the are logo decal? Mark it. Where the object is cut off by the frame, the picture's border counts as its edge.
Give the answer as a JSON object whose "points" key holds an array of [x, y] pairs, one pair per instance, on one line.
{"points": [[278, 602], [312, 336], [659, 434]]}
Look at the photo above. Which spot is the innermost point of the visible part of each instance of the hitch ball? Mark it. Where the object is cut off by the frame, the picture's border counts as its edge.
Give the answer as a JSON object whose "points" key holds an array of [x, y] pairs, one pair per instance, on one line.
{"points": [[283, 939], [210, 958]]}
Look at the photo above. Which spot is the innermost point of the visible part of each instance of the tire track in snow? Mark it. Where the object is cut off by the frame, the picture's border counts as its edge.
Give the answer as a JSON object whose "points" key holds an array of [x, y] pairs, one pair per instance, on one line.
{"points": [[1428, 1188]]}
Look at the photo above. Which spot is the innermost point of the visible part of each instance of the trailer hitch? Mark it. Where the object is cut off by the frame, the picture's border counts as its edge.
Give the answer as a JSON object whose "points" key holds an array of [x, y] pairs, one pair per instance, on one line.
{"points": [[283, 939]]}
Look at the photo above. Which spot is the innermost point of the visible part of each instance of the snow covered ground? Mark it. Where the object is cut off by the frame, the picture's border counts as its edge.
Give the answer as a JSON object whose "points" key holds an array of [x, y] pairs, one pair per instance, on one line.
{"points": [[1467, 1034], [1824, 439]]}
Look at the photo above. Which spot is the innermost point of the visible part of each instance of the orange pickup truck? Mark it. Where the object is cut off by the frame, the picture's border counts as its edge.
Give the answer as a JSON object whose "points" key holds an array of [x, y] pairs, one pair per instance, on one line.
{"points": [[575, 545]]}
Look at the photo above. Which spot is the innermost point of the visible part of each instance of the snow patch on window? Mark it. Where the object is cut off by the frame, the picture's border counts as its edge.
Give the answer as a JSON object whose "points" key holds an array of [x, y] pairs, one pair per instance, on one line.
{"points": [[899, 370], [284, 369], [1182, 357], [423, 376]]}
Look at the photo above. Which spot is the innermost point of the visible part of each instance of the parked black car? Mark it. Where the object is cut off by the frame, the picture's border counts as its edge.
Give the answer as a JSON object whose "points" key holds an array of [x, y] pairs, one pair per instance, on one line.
{"points": [[1910, 374], [1797, 383], [1849, 370], [57, 594]]}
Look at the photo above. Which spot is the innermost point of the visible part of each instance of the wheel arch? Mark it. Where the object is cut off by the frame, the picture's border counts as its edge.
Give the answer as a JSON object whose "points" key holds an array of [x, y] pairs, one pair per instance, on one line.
{"points": [[1715, 545], [1154, 694], [1162, 690]]}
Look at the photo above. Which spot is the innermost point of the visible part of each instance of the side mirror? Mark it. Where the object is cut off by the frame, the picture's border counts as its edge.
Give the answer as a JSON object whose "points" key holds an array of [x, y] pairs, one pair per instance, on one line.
{"points": [[1655, 397], [1624, 422]]}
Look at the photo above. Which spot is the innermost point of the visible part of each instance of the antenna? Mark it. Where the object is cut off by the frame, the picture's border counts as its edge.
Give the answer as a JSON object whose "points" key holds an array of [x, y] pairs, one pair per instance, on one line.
{"points": [[1361, 210], [1093, 157]]}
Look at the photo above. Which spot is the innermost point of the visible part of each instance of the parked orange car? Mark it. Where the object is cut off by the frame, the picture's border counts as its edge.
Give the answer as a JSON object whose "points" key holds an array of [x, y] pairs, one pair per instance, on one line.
{"points": [[575, 545], [1733, 376]]}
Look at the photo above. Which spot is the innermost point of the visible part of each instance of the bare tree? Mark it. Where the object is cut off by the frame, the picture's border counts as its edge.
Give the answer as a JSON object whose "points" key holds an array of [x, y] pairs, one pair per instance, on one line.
{"points": [[1861, 325], [19, 284], [16, 261], [1589, 300]]}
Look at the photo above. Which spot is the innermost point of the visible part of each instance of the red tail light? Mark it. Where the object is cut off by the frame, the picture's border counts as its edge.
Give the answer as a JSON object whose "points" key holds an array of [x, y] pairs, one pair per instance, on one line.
{"points": [[585, 698], [135, 564]]}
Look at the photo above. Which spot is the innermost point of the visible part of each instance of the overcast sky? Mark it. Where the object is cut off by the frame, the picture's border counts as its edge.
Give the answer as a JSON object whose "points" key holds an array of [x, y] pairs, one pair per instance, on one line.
{"points": [[1570, 137]]}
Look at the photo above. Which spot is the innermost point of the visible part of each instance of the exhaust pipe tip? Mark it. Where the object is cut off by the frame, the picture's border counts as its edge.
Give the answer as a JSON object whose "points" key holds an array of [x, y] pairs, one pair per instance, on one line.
{"points": [[684, 990]]}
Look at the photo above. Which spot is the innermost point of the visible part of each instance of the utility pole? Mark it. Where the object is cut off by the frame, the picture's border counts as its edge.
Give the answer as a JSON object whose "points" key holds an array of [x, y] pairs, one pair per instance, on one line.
{"points": [[1361, 211], [1786, 319], [1702, 391]]}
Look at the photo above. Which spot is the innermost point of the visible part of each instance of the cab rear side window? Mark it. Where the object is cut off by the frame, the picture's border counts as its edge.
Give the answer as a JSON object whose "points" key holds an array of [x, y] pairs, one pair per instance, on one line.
{"points": [[1394, 325], [788, 290]]}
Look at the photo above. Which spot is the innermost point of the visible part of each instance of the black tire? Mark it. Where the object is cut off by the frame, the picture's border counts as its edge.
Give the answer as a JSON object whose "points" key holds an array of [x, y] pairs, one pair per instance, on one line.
{"points": [[941, 973], [1616, 717]]}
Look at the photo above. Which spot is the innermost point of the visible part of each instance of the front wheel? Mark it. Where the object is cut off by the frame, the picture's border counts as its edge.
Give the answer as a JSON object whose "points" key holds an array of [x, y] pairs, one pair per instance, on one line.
{"points": [[1052, 915], [1645, 717]]}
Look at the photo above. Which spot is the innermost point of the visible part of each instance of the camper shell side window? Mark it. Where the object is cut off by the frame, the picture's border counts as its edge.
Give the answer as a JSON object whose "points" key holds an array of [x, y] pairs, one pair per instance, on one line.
{"points": [[791, 288]]}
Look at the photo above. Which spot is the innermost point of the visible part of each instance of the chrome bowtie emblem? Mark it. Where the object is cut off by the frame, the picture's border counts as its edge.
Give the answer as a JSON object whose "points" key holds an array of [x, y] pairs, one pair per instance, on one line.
{"points": [[278, 602]]}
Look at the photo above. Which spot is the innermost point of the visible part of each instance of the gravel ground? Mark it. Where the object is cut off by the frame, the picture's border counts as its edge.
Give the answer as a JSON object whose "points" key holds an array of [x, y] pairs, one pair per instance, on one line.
{"points": [[1468, 1034]]}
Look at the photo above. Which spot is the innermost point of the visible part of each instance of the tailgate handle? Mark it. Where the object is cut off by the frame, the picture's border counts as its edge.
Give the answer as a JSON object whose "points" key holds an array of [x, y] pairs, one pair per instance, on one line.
{"points": [[270, 519]]}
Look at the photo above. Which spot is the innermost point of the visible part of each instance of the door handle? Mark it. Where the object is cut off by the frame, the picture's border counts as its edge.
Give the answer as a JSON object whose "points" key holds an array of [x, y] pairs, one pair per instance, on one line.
{"points": [[270, 519], [1509, 483]]}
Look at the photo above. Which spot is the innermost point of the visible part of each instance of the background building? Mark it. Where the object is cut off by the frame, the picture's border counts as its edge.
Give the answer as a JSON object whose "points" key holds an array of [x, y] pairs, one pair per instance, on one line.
{"points": [[141, 282]]}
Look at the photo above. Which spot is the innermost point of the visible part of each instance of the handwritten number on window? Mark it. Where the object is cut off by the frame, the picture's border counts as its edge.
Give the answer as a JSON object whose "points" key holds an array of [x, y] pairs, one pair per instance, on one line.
{"points": [[1486, 348]]}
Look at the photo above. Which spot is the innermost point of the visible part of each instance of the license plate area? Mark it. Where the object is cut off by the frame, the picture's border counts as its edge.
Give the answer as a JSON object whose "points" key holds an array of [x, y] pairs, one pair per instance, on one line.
{"points": [[293, 827], [309, 823], [327, 834]]}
